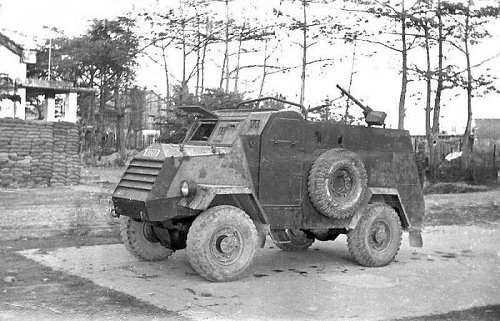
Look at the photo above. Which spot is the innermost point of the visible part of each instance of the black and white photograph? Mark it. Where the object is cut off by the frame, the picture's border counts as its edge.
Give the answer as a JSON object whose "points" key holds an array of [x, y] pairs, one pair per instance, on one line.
{"points": [[250, 160]]}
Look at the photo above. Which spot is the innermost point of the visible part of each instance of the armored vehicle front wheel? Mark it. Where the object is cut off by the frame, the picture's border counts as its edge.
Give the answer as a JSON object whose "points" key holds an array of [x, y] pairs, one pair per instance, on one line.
{"points": [[140, 240], [337, 183], [221, 243], [376, 239], [291, 240]]}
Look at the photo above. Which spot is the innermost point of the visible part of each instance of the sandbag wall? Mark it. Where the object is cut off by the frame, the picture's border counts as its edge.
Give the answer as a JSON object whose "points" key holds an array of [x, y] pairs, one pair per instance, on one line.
{"points": [[38, 153]]}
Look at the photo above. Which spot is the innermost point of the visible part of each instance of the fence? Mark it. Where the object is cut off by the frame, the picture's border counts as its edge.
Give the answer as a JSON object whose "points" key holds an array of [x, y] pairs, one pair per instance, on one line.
{"points": [[484, 163]]}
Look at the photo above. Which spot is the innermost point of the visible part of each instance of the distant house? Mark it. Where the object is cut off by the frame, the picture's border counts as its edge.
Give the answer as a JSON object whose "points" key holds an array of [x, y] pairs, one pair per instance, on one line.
{"points": [[487, 139], [155, 110], [142, 124], [15, 86], [487, 129], [12, 75]]}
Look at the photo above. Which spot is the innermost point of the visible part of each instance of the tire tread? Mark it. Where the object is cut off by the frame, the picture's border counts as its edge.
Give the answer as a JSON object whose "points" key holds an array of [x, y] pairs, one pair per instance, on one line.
{"points": [[197, 252], [315, 184], [139, 246], [356, 238]]}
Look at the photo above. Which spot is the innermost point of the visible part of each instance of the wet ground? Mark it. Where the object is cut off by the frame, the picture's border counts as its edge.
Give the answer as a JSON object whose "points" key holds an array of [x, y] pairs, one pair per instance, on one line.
{"points": [[60, 249]]}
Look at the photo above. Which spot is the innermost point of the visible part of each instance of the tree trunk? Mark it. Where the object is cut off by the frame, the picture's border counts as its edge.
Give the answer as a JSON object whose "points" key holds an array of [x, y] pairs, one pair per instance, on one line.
{"points": [[346, 114], [238, 59], [404, 70], [204, 54], [466, 143], [428, 78], [167, 78], [198, 56], [90, 121], [437, 99], [264, 70], [304, 53], [225, 61], [184, 57], [126, 139], [119, 116], [202, 82], [222, 73], [100, 131]]}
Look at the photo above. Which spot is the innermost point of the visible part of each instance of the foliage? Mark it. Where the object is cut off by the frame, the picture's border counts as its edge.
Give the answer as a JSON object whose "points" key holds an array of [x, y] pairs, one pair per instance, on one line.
{"points": [[175, 129], [467, 26], [104, 58], [216, 98], [135, 102], [109, 47]]}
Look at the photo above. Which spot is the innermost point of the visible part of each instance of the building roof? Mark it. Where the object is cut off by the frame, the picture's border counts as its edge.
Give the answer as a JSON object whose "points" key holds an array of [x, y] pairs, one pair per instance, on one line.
{"points": [[487, 128], [41, 86], [11, 45]]}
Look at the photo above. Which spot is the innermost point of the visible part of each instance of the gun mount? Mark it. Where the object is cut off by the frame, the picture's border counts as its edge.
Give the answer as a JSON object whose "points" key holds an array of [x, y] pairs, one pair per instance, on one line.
{"points": [[372, 117]]}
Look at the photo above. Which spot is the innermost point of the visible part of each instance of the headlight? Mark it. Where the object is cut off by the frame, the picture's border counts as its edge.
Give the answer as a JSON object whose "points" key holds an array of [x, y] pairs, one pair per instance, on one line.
{"points": [[188, 188]]}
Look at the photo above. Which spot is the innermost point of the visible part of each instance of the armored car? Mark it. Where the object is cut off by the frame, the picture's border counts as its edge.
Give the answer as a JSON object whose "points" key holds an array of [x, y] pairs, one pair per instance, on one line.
{"points": [[244, 173]]}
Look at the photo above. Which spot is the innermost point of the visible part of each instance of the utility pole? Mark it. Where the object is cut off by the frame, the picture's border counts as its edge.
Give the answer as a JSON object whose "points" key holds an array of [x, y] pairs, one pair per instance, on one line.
{"points": [[51, 29], [50, 57]]}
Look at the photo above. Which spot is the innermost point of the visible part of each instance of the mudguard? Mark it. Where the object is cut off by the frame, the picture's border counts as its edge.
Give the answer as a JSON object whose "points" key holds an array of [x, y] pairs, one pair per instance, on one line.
{"points": [[239, 196], [205, 194], [392, 198]]}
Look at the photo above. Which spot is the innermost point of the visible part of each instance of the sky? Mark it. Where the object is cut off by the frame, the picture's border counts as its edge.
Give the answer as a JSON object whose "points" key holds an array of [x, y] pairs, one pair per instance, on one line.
{"points": [[376, 81], [29, 16]]}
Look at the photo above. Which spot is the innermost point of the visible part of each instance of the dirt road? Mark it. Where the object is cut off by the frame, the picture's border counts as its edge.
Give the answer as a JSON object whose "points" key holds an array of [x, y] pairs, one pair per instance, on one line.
{"points": [[458, 269], [78, 270]]}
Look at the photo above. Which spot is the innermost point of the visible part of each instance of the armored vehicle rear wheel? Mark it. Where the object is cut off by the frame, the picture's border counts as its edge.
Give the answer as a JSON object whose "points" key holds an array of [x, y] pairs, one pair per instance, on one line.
{"points": [[140, 240], [299, 241], [221, 243], [376, 239], [337, 183]]}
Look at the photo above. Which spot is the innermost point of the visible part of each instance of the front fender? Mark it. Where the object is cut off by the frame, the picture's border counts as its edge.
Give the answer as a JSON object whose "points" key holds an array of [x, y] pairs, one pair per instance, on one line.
{"points": [[205, 194], [239, 196]]}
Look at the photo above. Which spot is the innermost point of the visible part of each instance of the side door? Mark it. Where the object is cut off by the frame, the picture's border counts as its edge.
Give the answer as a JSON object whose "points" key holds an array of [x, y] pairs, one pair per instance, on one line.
{"points": [[279, 175]]}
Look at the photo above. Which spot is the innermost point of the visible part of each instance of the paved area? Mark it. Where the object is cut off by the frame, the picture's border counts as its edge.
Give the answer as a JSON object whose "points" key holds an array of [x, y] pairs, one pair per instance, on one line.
{"points": [[458, 268], [44, 212]]}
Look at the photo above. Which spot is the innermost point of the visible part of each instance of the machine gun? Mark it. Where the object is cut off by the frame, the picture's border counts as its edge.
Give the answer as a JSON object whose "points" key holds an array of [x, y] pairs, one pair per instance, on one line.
{"points": [[372, 117]]}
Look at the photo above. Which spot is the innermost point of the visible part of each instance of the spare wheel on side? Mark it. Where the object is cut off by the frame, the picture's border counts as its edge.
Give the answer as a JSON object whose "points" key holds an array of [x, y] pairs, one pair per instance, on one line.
{"points": [[337, 183]]}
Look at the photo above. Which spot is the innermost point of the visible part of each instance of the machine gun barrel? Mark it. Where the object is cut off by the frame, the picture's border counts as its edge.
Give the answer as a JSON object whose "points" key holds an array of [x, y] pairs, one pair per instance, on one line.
{"points": [[366, 109]]}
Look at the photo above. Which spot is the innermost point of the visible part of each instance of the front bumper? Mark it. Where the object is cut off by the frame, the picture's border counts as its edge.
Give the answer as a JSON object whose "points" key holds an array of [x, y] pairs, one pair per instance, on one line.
{"points": [[157, 210]]}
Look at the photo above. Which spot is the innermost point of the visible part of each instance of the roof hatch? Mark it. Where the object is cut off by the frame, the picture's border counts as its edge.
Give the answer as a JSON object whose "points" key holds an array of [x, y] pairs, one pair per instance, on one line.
{"points": [[199, 112]]}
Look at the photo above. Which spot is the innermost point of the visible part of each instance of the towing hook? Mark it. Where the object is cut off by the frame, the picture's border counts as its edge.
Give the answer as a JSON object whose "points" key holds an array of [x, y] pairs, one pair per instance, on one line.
{"points": [[113, 213]]}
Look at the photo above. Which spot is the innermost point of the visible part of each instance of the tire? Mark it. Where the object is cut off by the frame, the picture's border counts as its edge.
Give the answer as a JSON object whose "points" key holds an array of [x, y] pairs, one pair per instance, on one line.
{"points": [[221, 243], [299, 241], [376, 239], [337, 183], [135, 241]]}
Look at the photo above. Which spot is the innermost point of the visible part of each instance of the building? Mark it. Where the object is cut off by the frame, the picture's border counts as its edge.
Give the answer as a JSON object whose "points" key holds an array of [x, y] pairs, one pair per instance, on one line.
{"points": [[155, 110], [143, 121], [487, 140], [15, 87]]}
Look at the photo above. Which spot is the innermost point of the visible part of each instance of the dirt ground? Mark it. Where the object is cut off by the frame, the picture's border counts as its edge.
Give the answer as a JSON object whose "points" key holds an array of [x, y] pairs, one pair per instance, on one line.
{"points": [[51, 218]]}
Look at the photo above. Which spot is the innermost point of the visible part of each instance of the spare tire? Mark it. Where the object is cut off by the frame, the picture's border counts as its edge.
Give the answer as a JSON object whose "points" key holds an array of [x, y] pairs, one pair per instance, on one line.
{"points": [[337, 183]]}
